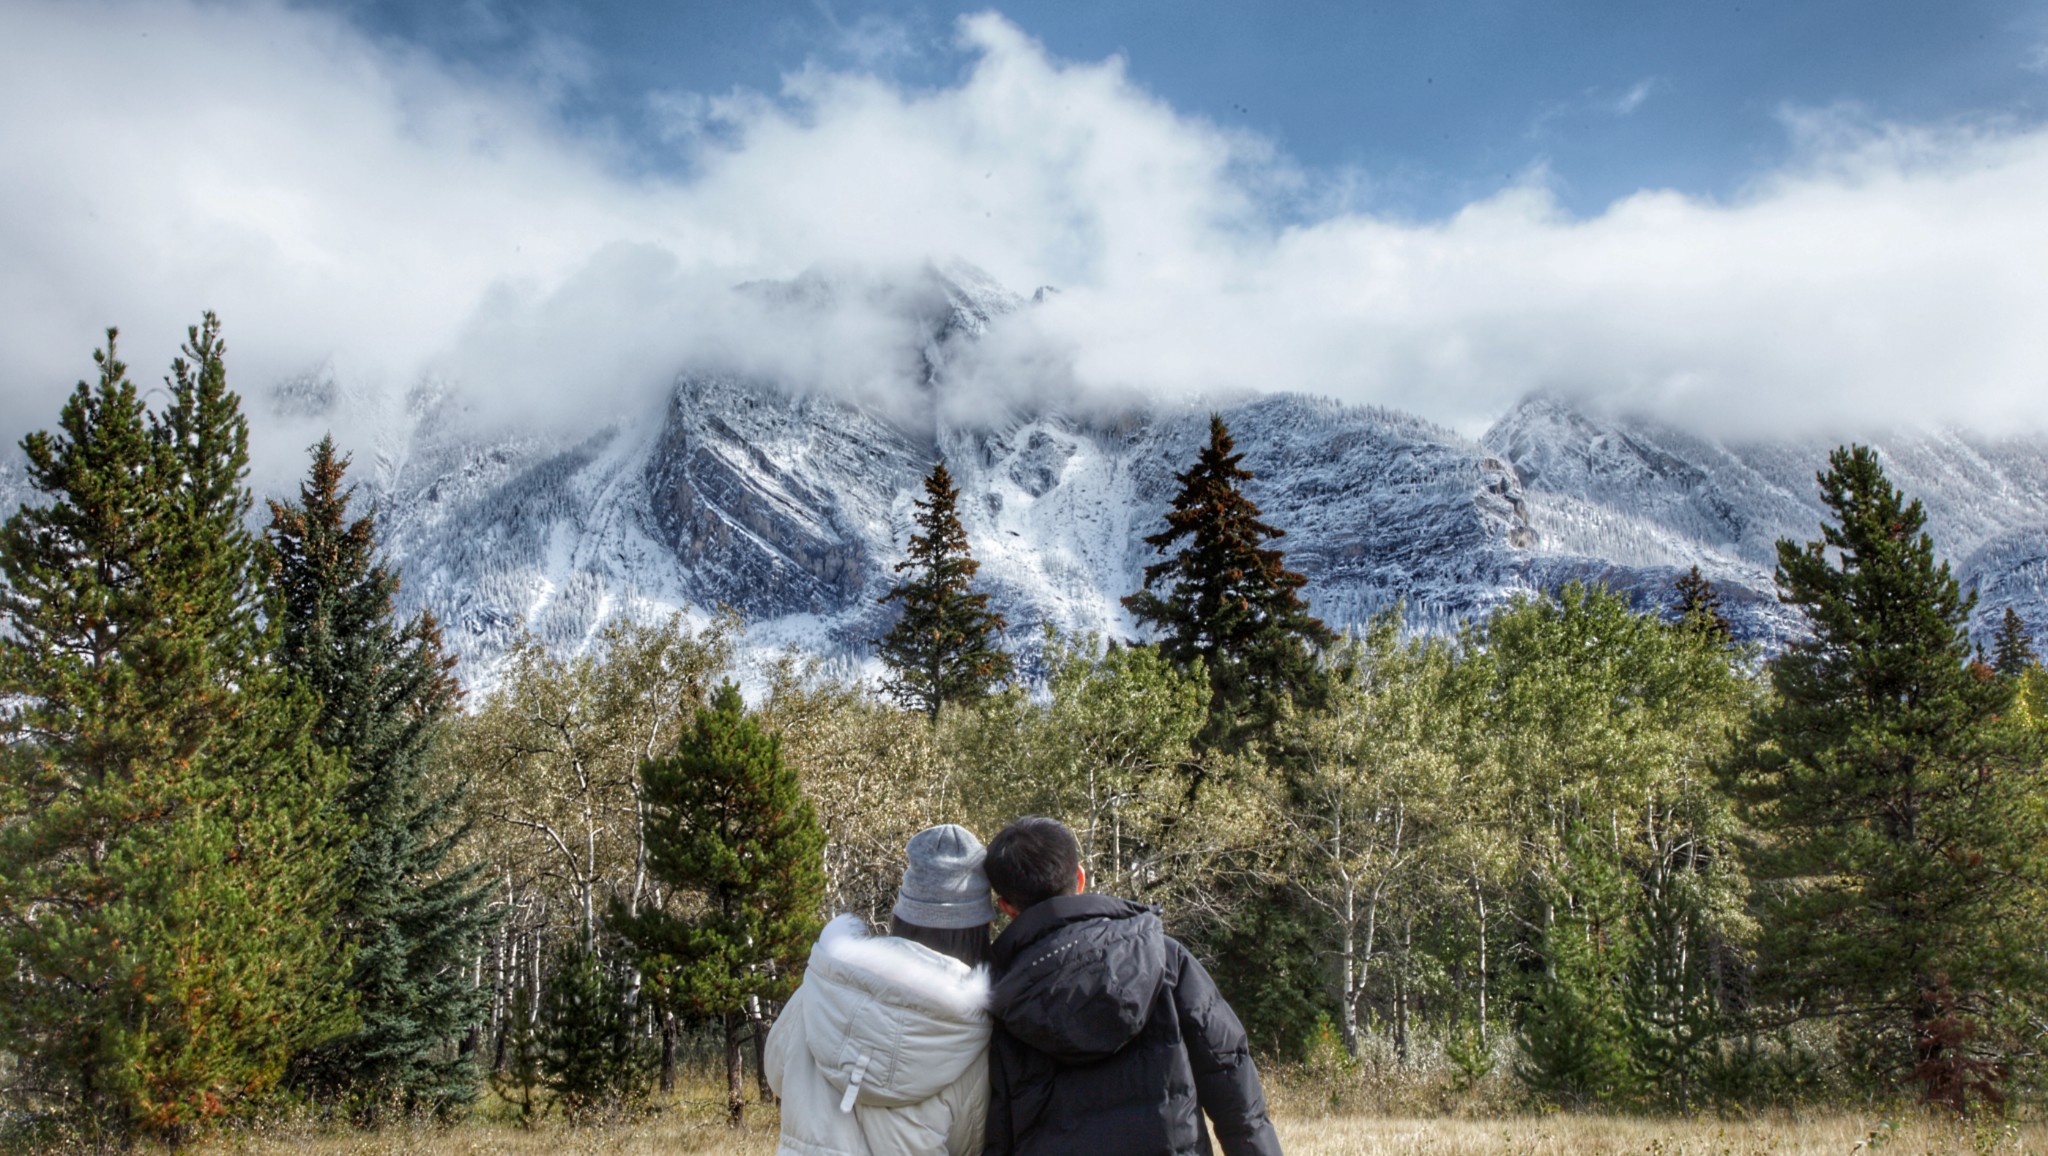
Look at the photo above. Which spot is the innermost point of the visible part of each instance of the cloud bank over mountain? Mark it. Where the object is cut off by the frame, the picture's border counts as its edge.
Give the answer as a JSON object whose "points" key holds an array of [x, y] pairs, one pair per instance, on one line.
{"points": [[360, 210]]}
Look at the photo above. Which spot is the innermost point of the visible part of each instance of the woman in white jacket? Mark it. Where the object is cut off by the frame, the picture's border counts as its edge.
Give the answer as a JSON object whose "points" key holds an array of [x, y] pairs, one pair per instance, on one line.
{"points": [[882, 1051]]}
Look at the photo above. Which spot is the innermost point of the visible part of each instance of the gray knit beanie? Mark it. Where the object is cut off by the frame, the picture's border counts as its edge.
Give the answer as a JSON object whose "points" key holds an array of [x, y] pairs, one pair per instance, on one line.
{"points": [[943, 885]]}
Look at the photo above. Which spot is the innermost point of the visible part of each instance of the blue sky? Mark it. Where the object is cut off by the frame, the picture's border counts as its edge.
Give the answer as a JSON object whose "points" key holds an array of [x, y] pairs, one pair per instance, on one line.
{"points": [[1429, 105], [1747, 218]]}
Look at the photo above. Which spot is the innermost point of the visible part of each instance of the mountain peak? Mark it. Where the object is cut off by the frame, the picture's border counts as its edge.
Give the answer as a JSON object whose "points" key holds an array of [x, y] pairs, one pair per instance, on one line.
{"points": [[793, 506]]}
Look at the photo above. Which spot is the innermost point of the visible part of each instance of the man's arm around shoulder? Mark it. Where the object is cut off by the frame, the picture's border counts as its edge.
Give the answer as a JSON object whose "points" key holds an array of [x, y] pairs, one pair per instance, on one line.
{"points": [[1226, 1080]]}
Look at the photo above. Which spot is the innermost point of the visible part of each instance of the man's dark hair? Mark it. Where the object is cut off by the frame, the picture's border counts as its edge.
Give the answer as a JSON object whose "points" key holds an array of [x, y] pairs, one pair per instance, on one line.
{"points": [[1032, 860]]}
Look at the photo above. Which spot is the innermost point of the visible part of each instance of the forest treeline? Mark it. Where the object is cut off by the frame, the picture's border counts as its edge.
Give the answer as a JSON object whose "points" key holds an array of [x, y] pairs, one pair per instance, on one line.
{"points": [[255, 848]]}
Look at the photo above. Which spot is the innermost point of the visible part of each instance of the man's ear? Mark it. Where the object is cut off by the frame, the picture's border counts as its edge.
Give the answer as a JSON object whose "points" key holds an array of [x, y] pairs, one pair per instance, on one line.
{"points": [[1006, 907], [1080, 880]]}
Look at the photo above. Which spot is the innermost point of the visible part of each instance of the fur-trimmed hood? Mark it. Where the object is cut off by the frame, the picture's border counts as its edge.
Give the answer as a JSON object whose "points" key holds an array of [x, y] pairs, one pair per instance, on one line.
{"points": [[890, 1022]]}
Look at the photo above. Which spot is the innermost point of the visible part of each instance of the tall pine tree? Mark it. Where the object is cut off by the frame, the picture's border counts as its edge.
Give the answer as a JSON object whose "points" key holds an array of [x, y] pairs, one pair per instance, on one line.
{"points": [[729, 831], [1901, 824], [2012, 652], [169, 832], [1574, 1034], [1230, 603], [589, 1054], [943, 649], [1699, 605], [384, 689]]}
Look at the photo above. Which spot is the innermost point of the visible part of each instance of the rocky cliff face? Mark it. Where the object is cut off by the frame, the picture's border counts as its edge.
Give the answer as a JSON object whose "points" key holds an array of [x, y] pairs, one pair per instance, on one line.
{"points": [[793, 508], [773, 504]]}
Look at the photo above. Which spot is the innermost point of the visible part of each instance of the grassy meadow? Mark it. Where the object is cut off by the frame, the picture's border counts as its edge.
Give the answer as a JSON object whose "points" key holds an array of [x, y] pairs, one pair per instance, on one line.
{"points": [[1362, 1119], [693, 1129]]}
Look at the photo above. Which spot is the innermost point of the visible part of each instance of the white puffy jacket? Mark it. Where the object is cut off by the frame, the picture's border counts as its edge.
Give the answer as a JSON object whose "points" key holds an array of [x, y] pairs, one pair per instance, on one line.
{"points": [[883, 1050]]}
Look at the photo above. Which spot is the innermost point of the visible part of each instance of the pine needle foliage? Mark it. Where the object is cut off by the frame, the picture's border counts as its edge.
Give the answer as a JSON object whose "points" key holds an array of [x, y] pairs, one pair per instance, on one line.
{"points": [[1902, 821], [170, 834], [385, 690], [731, 835], [517, 1078], [1575, 1029], [944, 647], [1675, 1013], [1229, 603], [1699, 605], [2012, 652], [589, 1055]]}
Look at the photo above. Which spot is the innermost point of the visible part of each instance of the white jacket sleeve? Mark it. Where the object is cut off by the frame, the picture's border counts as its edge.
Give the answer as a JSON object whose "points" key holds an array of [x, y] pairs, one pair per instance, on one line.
{"points": [[915, 1130], [776, 1059], [952, 1123], [968, 1099]]}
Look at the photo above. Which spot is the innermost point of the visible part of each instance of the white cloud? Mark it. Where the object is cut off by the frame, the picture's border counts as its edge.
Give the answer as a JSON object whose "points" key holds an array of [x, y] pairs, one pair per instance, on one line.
{"points": [[1633, 99], [873, 40], [346, 202]]}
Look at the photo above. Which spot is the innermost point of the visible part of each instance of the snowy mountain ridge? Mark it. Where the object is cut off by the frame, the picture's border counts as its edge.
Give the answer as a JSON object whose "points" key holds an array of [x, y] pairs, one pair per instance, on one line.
{"points": [[793, 507]]}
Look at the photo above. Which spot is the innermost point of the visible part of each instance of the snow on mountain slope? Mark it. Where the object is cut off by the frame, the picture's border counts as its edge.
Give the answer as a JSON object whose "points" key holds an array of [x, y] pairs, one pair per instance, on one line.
{"points": [[1378, 506], [1657, 500], [792, 507]]}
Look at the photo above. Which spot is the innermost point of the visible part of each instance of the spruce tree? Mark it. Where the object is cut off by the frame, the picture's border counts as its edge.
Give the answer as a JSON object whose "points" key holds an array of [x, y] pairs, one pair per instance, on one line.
{"points": [[384, 689], [730, 833], [1901, 824], [2012, 652], [1575, 1030], [588, 1054], [1229, 601], [169, 831], [943, 649], [1675, 1019], [1699, 605]]}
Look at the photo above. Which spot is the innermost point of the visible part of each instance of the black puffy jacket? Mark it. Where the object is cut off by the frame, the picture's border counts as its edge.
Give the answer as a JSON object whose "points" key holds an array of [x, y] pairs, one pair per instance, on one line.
{"points": [[1110, 1040]]}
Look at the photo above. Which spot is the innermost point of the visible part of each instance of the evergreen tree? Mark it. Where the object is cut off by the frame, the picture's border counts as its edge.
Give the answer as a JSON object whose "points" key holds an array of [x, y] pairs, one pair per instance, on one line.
{"points": [[1574, 1033], [1230, 603], [943, 647], [518, 1078], [2012, 653], [589, 1056], [169, 833], [1699, 605], [1674, 1016], [728, 827], [1269, 958], [384, 690], [1902, 825]]}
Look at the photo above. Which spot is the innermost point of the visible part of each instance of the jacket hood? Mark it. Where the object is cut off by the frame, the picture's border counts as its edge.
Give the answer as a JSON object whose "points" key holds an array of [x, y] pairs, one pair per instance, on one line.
{"points": [[890, 1022], [1079, 975]]}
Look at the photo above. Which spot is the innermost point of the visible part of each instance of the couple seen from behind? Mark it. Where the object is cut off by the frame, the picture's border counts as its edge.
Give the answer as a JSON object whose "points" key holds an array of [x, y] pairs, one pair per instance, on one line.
{"points": [[1083, 1028]]}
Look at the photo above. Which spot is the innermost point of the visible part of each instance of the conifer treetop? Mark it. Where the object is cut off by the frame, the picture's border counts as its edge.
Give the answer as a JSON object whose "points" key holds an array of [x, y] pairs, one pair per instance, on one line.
{"points": [[1230, 603], [942, 548], [2012, 653], [1883, 605], [1225, 580], [945, 646], [1699, 605]]}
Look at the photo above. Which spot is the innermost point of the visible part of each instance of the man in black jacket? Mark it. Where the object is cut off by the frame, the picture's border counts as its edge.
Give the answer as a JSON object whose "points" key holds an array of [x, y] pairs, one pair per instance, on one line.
{"points": [[1110, 1038]]}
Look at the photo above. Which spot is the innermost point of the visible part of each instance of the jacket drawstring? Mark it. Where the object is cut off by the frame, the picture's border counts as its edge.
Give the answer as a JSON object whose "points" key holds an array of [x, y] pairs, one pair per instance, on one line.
{"points": [[853, 1078]]}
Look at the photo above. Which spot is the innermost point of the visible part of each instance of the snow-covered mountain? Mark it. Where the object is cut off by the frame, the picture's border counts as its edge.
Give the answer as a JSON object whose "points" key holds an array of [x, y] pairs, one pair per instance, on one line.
{"points": [[792, 507], [1653, 500]]}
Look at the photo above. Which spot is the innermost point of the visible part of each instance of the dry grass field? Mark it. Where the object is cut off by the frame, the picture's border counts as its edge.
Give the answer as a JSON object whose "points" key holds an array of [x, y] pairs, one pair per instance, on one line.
{"points": [[693, 1127]]}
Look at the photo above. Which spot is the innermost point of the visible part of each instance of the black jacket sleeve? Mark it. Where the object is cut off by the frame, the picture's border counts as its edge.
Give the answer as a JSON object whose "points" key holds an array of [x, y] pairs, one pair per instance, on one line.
{"points": [[1226, 1081]]}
